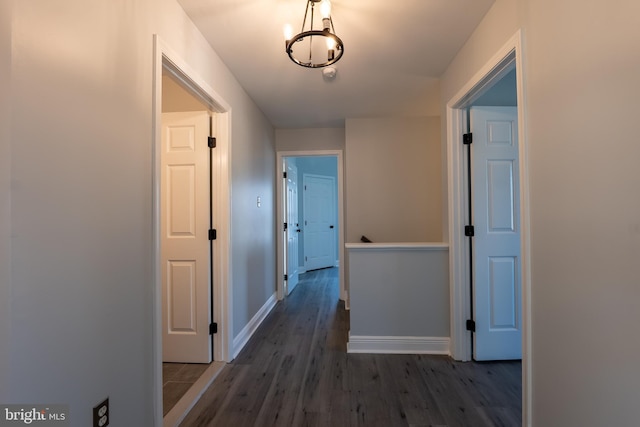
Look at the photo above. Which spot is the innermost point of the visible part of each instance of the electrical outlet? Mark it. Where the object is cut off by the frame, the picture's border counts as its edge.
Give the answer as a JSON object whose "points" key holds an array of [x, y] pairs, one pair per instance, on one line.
{"points": [[101, 414]]}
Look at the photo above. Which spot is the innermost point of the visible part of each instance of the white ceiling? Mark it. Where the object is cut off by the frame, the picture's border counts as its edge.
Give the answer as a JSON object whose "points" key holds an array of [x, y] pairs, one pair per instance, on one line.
{"points": [[394, 54]]}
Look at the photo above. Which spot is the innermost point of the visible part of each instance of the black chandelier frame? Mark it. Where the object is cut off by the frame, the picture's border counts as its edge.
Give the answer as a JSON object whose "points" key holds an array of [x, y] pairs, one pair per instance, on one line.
{"points": [[328, 31]]}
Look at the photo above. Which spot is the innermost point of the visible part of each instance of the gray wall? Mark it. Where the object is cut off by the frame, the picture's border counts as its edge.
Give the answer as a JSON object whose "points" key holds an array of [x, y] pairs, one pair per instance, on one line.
{"points": [[5, 198], [399, 292], [581, 85], [80, 145], [393, 179], [252, 228]]}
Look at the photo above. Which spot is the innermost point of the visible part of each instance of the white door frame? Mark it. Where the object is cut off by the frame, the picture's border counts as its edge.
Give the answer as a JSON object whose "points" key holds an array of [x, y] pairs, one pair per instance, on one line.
{"points": [[280, 214], [508, 57], [289, 229], [167, 58]]}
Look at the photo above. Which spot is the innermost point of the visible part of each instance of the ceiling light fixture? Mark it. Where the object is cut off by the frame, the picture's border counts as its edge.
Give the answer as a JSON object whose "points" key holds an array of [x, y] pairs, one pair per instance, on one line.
{"points": [[324, 46]]}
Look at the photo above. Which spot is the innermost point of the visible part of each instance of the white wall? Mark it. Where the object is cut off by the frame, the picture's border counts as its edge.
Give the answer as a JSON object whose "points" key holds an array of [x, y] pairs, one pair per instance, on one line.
{"points": [[310, 139], [498, 25], [5, 198], [581, 85], [393, 179], [81, 206]]}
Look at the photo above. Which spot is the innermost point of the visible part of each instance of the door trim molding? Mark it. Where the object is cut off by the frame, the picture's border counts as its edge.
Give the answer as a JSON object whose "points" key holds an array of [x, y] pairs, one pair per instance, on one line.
{"points": [[280, 155], [166, 58], [505, 59]]}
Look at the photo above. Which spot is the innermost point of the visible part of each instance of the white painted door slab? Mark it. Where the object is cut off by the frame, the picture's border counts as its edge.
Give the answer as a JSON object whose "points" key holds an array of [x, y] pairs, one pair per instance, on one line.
{"points": [[293, 225], [319, 221], [496, 213], [186, 297]]}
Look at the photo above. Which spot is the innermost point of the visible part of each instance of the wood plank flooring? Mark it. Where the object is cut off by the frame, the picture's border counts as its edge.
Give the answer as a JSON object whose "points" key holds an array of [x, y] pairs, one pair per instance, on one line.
{"points": [[295, 372]]}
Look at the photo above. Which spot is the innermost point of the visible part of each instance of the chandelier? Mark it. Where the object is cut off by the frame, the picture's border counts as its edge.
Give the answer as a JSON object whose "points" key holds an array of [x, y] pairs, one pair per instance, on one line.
{"points": [[314, 47]]}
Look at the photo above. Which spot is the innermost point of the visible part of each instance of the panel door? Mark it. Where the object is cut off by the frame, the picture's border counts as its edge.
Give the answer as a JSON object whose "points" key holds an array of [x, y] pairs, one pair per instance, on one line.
{"points": [[293, 225], [496, 213], [319, 221], [186, 284]]}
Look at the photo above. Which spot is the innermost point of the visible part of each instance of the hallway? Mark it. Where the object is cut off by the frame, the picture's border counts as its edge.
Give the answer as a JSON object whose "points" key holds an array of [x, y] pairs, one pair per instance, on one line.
{"points": [[295, 372]]}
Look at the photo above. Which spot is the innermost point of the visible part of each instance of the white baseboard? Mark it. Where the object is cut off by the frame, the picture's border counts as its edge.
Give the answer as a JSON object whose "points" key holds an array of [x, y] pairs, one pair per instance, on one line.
{"points": [[397, 345], [247, 332]]}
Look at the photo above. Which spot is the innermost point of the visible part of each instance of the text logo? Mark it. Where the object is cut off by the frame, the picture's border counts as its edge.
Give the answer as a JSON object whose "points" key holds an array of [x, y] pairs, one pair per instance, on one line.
{"points": [[34, 415]]}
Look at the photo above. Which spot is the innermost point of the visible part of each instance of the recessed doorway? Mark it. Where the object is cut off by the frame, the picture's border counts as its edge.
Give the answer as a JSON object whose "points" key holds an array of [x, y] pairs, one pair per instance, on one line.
{"points": [[179, 91], [505, 61], [324, 221]]}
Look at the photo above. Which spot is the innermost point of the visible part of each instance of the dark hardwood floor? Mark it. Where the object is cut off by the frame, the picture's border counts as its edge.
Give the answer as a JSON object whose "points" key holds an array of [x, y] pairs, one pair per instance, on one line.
{"points": [[295, 371]]}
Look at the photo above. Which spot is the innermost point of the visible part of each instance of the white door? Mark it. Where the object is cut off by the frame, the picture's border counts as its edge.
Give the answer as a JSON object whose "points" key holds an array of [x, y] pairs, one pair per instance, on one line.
{"points": [[184, 199], [293, 225], [496, 213], [319, 221]]}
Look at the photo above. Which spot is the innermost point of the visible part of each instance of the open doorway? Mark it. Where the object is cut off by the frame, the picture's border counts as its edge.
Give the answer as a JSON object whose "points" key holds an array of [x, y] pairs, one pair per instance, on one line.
{"points": [[505, 65], [493, 188], [191, 296], [185, 219], [310, 210]]}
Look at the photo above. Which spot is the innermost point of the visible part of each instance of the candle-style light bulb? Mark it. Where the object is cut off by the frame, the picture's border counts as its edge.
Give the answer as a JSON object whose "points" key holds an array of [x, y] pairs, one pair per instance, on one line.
{"points": [[331, 48], [325, 9], [288, 34], [325, 12], [331, 43]]}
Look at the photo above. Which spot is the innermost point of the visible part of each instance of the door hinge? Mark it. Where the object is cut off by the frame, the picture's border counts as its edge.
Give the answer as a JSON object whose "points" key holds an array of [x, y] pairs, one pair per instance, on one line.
{"points": [[286, 226], [213, 328], [471, 325], [211, 142], [467, 138], [286, 277], [284, 175], [213, 234], [469, 230]]}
